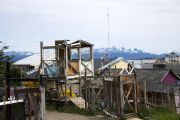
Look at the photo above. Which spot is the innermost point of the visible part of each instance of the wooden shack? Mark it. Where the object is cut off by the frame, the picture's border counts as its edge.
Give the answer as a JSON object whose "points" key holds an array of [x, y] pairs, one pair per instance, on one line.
{"points": [[161, 87], [119, 88]]}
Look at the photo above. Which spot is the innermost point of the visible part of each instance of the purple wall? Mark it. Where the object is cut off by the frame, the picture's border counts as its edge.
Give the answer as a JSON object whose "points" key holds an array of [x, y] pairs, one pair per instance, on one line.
{"points": [[169, 79]]}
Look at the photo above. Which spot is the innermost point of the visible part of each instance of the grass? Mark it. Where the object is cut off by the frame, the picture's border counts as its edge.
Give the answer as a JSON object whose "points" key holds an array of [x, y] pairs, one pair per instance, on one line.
{"points": [[164, 114], [68, 108], [160, 113]]}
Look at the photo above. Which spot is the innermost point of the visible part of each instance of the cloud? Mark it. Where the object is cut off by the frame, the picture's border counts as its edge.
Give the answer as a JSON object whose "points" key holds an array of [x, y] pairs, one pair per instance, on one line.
{"points": [[144, 24]]}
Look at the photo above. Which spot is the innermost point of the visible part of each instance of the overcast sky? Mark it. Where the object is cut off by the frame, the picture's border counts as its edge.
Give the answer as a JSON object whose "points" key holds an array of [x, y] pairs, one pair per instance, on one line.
{"points": [[150, 25]]}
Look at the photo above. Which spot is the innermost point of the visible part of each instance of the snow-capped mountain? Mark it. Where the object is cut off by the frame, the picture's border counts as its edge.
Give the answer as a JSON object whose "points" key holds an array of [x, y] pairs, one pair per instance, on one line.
{"points": [[18, 55], [114, 52]]}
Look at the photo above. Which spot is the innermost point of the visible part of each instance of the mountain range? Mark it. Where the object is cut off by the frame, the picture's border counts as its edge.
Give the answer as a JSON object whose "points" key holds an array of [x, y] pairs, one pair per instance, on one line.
{"points": [[18, 55], [135, 53], [112, 52]]}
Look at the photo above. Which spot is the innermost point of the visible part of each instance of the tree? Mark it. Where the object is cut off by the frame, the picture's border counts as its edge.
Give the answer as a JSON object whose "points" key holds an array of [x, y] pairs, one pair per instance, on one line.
{"points": [[3, 59]]}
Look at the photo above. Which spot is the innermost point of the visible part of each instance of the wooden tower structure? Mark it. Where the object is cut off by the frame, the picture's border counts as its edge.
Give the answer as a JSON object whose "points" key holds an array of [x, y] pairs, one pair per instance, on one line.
{"points": [[64, 65]]}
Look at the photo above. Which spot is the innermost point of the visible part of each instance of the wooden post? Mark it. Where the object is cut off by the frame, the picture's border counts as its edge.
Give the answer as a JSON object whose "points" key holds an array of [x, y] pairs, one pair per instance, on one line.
{"points": [[145, 95], [42, 88], [174, 97], [7, 85], [121, 101], [92, 59], [117, 94], [135, 94], [79, 86], [111, 89], [66, 70], [88, 91], [79, 57], [70, 88], [57, 63], [155, 95], [152, 96], [79, 62], [57, 90], [110, 102], [162, 101], [104, 91], [169, 99], [29, 107], [85, 89]]}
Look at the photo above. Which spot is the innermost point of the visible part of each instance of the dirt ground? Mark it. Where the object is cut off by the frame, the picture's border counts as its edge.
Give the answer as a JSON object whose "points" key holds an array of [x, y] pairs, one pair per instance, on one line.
{"points": [[53, 115]]}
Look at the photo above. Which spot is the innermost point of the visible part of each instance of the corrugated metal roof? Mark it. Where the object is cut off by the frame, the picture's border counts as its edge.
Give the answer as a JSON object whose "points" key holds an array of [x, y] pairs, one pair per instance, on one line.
{"points": [[112, 63], [33, 60], [153, 79]]}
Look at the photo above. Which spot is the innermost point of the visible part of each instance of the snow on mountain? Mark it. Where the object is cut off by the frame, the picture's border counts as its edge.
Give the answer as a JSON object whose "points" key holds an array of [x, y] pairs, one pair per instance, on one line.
{"points": [[18, 55], [111, 52], [114, 52]]}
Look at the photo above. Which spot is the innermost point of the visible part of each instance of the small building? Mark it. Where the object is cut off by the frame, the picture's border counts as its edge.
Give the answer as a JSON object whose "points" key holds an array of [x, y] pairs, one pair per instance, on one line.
{"points": [[27, 64], [118, 63], [100, 62], [119, 87], [161, 87]]}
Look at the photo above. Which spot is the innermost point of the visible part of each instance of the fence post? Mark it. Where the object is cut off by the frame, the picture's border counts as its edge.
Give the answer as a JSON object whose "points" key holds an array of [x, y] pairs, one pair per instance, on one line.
{"points": [[8, 107]]}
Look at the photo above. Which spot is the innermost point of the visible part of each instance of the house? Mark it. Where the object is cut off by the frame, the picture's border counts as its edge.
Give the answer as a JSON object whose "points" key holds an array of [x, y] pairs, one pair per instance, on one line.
{"points": [[169, 61], [27, 64], [118, 63], [162, 87], [99, 62]]}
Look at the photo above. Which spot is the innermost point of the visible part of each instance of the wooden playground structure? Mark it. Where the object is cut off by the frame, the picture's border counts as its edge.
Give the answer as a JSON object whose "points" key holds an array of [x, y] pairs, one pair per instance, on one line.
{"points": [[64, 67]]}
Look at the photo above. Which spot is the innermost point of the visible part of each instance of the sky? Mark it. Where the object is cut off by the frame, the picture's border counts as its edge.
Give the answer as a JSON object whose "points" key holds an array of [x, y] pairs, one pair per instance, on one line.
{"points": [[150, 25]]}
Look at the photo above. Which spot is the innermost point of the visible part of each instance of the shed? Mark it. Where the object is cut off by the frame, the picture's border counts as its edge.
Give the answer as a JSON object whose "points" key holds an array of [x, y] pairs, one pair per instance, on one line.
{"points": [[161, 85]]}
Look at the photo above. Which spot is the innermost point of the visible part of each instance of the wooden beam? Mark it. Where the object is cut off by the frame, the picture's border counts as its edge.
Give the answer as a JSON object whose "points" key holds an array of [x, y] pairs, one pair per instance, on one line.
{"points": [[104, 91], [129, 91], [121, 101], [111, 100], [53, 47], [88, 91], [79, 58], [92, 59], [7, 87], [66, 69], [79, 87], [85, 80], [27, 90], [135, 95], [127, 101], [97, 94], [145, 95], [42, 87]]}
